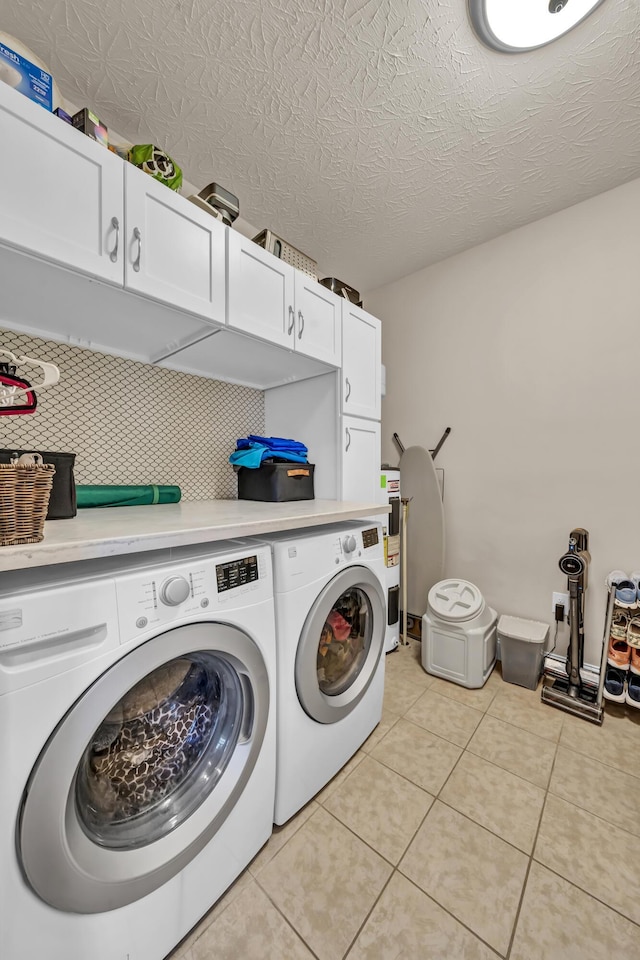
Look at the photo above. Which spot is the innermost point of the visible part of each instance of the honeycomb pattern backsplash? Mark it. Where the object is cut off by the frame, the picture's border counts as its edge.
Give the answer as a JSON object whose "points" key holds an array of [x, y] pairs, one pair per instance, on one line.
{"points": [[130, 422]]}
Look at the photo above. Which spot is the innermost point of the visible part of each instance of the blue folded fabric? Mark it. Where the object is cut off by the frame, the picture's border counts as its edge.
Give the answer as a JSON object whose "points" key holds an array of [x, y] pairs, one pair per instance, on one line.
{"points": [[252, 450], [276, 444]]}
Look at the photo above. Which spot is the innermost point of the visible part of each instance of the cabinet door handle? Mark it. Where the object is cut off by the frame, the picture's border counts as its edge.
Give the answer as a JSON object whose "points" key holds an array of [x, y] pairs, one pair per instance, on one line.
{"points": [[348, 436], [292, 320], [348, 386], [301, 319], [137, 236], [115, 225]]}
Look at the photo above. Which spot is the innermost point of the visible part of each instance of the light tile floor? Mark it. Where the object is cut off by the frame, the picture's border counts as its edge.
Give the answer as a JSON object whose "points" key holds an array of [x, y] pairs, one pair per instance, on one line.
{"points": [[472, 824]]}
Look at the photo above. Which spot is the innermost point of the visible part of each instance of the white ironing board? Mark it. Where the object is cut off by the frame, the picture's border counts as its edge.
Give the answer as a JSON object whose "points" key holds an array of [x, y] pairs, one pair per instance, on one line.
{"points": [[425, 528]]}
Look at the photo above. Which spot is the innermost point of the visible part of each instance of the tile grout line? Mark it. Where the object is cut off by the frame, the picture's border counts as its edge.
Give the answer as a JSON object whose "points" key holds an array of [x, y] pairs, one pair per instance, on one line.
{"points": [[369, 912], [609, 766], [395, 868], [498, 766], [284, 917], [463, 749], [590, 813], [544, 865], [516, 919], [446, 910], [529, 856], [587, 893]]}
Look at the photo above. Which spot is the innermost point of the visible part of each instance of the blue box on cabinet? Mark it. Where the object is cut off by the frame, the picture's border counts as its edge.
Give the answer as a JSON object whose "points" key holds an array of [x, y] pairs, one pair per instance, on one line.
{"points": [[25, 77]]}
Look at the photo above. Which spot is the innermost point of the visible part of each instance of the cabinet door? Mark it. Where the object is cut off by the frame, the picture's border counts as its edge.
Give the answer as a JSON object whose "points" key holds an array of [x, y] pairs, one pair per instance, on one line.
{"points": [[361, 363], [260, 292], [360, 459], [60, 191], [175, 252], [318, 320]]}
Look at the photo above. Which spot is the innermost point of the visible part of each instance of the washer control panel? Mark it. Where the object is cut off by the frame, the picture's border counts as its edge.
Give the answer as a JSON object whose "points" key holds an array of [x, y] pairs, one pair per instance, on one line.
{"points": [[174, 591], [236, 573], [349, 544], [198, 588]]}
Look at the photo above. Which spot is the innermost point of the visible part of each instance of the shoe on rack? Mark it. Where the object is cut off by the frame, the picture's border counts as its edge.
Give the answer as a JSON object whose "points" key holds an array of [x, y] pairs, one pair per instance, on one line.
{"points": [[626, 593], [633, 632], [614, 683], [634, 663], [619, 653], [616, 576], [620, 623], [633, 691]]}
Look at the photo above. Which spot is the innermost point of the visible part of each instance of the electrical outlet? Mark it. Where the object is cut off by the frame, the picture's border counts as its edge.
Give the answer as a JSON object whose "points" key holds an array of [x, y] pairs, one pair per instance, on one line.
{"points": [[563, 599]]}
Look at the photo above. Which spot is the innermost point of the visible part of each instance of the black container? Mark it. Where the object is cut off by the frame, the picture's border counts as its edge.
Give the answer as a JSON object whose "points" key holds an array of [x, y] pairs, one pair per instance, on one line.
{"points": [[62, 502], [276, 482]]}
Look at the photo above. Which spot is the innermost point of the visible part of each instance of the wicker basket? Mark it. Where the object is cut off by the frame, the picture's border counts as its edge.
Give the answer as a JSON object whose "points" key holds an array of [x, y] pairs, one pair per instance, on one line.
{"points": [[24, 499]]}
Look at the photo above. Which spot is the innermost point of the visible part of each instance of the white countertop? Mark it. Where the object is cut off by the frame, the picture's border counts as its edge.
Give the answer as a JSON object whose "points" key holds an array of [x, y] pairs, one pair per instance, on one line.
{"points": [[112, 531]]}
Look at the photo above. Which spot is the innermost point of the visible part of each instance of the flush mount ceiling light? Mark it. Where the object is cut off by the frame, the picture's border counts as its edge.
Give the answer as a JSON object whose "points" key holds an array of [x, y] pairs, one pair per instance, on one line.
{"points": [[512, 26]]}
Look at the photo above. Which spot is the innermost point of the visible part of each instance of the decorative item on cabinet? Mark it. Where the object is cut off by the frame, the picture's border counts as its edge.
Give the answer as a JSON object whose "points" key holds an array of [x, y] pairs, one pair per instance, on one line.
{"points": [[21, 69], [342, 289], [63, 115], [86, 122], [157, 164], [220, 203], [286, 252]]}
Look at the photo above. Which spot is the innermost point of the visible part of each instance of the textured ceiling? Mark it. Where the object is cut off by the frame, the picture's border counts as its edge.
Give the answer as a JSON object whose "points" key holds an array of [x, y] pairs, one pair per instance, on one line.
{"points": [[377, 135]]}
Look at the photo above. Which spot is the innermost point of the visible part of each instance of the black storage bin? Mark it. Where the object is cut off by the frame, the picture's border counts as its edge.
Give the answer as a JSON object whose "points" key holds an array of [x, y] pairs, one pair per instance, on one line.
{"points": [[276, 482], [62, 502]]}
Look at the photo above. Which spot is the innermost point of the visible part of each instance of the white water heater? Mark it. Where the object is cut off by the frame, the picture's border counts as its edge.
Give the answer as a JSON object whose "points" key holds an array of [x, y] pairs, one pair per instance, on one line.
{"points": [[390, 494]]}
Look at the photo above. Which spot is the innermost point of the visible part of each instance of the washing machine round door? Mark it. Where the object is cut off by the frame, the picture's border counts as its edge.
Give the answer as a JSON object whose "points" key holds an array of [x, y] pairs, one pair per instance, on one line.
{"points": [[340, 645], [144, 768]]}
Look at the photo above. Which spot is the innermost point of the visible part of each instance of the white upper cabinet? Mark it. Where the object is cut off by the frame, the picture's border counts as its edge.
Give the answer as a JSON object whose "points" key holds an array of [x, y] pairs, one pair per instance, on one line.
{"points": [[361, 363], [360, 459], [260, 292], [318, 321], [271, 300], [174, 252], [61, 193]]}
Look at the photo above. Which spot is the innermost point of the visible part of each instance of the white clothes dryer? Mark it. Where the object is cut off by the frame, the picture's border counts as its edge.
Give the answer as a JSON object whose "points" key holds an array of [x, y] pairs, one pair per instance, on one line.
{"points": [[331, 622], [137, 709]]}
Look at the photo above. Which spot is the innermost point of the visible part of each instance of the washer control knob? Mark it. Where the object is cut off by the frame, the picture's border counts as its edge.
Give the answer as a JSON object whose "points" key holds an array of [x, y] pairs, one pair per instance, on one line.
{"points": [[349, 544], [174, 591]]}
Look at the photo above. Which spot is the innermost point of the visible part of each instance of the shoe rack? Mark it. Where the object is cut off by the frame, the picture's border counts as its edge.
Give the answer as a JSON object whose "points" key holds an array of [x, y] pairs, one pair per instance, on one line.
{"points": [[622, 666]]}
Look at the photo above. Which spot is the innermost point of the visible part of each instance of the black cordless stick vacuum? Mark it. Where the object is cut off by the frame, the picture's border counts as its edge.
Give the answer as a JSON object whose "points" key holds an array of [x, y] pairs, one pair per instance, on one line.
{"points": [[570, 693]]}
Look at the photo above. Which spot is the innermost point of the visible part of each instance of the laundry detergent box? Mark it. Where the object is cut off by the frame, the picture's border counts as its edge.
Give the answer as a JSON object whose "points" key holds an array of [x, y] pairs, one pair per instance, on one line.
{"points": [[25, 77]]}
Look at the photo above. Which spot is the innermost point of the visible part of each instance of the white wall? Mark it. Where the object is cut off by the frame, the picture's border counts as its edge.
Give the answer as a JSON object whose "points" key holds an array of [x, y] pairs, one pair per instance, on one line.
{"points": [[529, 348]]}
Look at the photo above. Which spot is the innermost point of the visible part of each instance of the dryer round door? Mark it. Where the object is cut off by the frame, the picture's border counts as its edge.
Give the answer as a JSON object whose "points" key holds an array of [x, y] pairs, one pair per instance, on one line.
{"points": [[144, 768], [340, 645]]}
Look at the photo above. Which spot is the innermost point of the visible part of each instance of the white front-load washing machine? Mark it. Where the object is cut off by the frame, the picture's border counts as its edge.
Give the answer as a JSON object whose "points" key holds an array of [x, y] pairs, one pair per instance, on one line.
{"points": [[137, 709], [331, 622]]}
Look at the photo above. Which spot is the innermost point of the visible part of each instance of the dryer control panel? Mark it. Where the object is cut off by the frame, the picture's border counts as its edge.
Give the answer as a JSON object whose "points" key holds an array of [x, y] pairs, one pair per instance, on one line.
{"points": [[370, 537]]}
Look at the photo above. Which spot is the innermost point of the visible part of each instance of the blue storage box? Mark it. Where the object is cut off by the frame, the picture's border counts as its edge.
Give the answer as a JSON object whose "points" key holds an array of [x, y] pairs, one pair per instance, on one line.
{"points": [[26, 77]]}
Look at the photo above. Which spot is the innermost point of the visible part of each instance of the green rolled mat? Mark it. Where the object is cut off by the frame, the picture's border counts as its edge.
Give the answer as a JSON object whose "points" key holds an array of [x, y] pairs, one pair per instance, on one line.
{"points": [[136, 495]]}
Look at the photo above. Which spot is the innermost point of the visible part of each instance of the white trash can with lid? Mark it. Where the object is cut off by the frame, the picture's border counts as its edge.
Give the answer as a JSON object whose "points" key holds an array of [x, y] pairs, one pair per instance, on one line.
{"points": [[522, 645], [459, 634]]}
